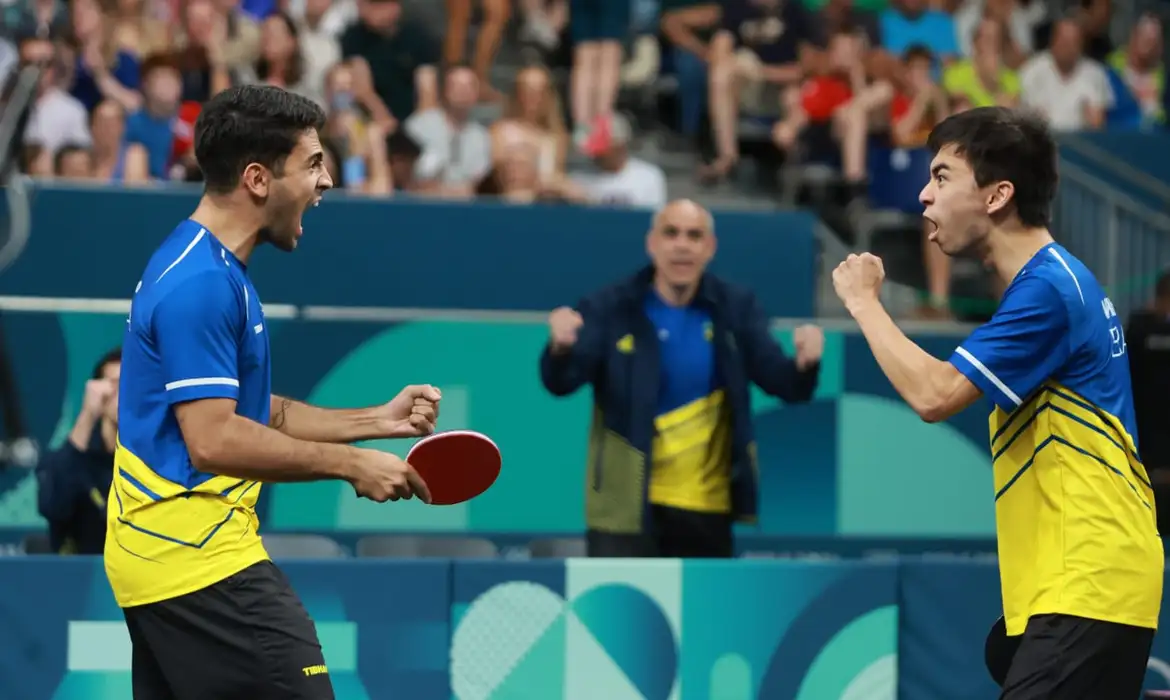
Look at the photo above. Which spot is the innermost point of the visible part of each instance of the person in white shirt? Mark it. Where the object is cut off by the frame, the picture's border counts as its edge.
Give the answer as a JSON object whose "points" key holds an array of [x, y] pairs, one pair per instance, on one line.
{"points": [[1072, 91], [456, 151], [56, 118], [620, 179]]}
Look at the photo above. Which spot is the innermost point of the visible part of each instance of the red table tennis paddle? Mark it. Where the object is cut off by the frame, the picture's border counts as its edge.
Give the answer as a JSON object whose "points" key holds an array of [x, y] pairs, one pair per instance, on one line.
{"points": [[457, 465]]}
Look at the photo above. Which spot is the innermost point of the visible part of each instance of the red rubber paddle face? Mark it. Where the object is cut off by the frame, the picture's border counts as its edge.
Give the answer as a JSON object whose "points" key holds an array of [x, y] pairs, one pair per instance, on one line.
{"points": [[457, 465]]}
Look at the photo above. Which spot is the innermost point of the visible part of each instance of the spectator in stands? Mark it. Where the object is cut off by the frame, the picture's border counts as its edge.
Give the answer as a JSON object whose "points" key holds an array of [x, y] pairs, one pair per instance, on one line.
{"points": [[1072, 91], [138, 30], [836, 17], [456, 151], [56, 117], [620, 179], [755, 64], [200, 53], [907, 23], [392, 59], [241, 35], [35, 161], [515, 176], [74, 480], [318, 48], [1137, 78], [688, 26], [598, 28], [838, 74], [919, 103], [150, 131], [670, 354], [108, 127], [103, 70], [1147, 344], [73, 162], [1014, 23], [346, 128], [534, 110], [281, 61], [1092, 17], [496, 14], [403, 153], [984, 79]]}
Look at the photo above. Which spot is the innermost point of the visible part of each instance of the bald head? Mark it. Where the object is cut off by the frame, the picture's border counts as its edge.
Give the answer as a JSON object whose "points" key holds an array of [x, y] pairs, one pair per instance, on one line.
{"points": [[681, 242]]}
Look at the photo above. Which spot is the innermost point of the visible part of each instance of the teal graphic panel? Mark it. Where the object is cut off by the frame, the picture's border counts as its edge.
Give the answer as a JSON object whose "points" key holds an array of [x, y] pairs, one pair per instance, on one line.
{"points": [[855, 461]]}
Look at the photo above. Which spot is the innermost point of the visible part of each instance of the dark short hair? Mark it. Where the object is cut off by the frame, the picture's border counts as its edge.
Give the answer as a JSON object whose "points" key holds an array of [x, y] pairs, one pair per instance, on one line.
{"points": [[63, 153], [400, 143], [109, 358], [250, 124], [1162, 286], [1005, 144], [919, 52]]}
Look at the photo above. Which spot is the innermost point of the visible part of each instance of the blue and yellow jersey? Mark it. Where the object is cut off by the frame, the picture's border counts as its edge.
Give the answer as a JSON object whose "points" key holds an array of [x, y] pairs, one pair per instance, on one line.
{"points": [[1074, 508], [195, 331], [691, 452]]}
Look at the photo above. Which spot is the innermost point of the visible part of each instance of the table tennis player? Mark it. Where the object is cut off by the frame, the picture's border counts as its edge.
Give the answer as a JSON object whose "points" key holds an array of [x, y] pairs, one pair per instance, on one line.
{"points": [[671, 353]]}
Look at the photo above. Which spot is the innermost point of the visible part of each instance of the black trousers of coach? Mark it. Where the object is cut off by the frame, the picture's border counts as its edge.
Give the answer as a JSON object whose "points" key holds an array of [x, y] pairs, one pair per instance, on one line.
{"points": [[673, 533], [246, 637], [1062, 657]]}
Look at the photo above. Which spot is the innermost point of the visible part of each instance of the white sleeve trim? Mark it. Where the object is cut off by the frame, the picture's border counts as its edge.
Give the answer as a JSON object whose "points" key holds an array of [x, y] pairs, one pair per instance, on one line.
{"points": [[962, 352], [203, 381]]}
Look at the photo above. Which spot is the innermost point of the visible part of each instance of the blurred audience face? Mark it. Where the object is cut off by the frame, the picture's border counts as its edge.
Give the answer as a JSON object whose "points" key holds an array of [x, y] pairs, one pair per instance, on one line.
{"points": [[461, 90], [1067, 44], [1096, 16], [1145, 43], [199, 20], [40, 51], [314, 9], [108, 125], [86, 17], [532, 94], [38, 161], [681, 243], [918, 72], [277, 42], [519, 168], [379, 15], [161, 89], [844, 52], [999, 10], [74, 164], [988, 41]]}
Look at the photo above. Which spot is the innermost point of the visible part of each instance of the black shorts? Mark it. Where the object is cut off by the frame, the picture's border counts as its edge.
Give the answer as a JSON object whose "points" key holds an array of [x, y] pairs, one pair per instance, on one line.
{"points": [[675, 533], [245, 638], [1062, 657]]}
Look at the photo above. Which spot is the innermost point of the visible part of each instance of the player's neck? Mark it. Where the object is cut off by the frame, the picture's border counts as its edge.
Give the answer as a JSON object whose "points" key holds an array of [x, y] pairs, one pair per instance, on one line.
{"points": [[237, 229], [1008, 251]]}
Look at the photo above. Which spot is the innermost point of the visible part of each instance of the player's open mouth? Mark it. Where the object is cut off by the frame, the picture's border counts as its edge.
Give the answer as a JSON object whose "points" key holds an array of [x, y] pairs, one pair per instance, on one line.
{"points": [[933, 228]]}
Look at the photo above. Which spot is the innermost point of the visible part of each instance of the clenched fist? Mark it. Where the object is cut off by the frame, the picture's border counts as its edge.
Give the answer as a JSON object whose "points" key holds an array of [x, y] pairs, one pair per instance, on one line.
{"points": [[858, 280], [563, 324], [810, 346]]}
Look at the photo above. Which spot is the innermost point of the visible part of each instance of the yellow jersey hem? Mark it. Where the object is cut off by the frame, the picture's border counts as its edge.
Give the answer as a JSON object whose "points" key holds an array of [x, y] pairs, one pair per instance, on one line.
{"points": [[1143, 622], [197, 585], [689, 505]]}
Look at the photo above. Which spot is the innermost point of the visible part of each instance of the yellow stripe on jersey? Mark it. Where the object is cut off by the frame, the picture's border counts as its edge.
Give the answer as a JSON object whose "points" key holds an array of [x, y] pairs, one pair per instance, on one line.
{"points": [[691, 456], [163, 540], [1074, 514]]}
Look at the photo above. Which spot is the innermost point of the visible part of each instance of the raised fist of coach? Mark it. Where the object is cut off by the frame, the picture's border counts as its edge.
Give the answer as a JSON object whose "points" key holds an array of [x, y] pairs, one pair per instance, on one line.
{"points": [[563, 324]]}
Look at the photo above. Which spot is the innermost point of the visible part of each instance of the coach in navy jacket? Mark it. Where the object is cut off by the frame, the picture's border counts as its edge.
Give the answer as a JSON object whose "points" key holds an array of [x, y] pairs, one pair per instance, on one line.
{"points": [[670, 354]]}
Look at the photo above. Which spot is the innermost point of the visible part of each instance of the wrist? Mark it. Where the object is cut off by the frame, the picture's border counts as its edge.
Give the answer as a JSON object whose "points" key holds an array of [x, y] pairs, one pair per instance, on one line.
{"points": [[862, 306]]}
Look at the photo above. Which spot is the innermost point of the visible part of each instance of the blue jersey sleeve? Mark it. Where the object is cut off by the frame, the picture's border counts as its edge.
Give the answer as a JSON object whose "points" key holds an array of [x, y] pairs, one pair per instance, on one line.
{"points": [[1024, 343], [197, 330]]}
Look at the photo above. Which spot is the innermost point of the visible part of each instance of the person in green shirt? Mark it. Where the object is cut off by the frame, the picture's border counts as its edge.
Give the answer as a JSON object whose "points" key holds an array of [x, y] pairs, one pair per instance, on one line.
{"points": [[983, 80]]}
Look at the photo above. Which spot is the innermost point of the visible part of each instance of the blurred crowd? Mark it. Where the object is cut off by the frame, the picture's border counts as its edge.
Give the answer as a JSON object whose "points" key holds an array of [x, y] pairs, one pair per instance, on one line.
{"points": [[405, 88]]}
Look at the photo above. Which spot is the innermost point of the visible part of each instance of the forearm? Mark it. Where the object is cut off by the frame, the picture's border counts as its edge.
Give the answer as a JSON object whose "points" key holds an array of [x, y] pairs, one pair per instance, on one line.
{"points": [[82, 431], [783, 74], [304, 422], [908, 367], [245, 449]]}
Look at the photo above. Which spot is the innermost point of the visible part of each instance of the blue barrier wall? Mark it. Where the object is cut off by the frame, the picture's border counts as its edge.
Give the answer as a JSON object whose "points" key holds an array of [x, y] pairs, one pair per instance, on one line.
{"points": [[571, 630], [95, 242]]}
